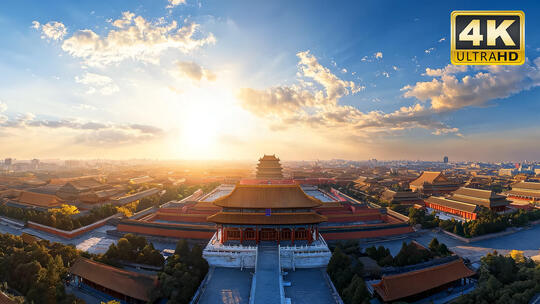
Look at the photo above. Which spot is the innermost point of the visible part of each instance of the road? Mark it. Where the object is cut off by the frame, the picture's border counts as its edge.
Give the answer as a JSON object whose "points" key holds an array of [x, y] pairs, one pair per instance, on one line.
{"points": [[96, 241], [526, 240]]}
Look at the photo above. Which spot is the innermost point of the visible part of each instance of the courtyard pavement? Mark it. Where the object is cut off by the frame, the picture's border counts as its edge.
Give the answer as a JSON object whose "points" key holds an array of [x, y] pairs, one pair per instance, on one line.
{"points": [[308, 286], [227, 286]]}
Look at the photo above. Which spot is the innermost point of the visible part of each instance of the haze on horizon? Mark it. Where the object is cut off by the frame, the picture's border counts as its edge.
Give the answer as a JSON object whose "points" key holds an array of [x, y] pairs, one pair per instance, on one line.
{"points": [[213, 80]]}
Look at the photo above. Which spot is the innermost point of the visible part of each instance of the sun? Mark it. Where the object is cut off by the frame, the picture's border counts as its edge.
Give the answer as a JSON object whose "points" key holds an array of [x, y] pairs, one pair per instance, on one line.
{"points": [[210, 121], [200, 127]]}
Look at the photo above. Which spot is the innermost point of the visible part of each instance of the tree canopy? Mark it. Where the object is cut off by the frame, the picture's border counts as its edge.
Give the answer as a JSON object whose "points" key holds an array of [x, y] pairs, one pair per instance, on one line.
{"points": [[505, 279], [182, 274], [36, 270]]}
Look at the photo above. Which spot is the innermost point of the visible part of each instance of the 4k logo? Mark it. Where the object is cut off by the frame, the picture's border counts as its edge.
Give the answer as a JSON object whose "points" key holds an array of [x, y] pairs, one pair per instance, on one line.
{"points": [[487, 37]]}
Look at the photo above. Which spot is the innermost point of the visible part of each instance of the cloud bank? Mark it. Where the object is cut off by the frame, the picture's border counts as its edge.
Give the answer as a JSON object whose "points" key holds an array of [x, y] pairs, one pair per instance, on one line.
{"points": [[86, 132], [135, 38], [297, 104], [284, 106]]}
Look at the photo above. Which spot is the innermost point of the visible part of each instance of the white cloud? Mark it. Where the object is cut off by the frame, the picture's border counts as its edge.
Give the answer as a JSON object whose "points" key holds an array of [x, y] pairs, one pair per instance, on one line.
{"points": [[297, 105], [334, 87], [194, 71], [3, 108], [446, 92], [85, 107], [134, 38], [51, 30], [442, 39], [173, 3], [98, 83], [448, 70], [430, 50], [385, 74], [395, 68], [86, 132], [375, 56], [344, 70]]}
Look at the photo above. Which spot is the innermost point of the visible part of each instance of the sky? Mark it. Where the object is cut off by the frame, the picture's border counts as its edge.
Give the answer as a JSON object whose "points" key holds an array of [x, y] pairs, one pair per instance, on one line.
{"points": [[306, 80]]}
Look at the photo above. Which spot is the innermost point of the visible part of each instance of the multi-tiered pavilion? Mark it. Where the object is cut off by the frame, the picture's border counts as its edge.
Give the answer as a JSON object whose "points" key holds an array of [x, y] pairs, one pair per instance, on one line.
{"points": [[277, 212], [269, 168]]}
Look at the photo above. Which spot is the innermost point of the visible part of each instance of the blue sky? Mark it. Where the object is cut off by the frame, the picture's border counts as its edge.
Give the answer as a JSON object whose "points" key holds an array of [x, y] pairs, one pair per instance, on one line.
{"points": [[235, 79]]}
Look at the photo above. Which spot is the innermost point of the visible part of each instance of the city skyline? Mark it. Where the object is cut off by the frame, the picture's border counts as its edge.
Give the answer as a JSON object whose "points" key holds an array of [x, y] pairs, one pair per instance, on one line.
{"points": [[209, 80]]}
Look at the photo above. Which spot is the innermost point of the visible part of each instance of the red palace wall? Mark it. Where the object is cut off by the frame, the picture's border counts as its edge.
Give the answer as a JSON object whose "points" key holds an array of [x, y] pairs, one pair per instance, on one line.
{"points": [[463, 214], [165, 232], [346, 235], [198, 218], [68, 234], [536, 199]]}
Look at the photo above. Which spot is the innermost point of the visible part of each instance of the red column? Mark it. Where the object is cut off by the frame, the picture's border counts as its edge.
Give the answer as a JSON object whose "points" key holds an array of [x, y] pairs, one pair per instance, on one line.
{"points": [[292, 236], [224, 235], [241, 235], [257, 235], [278, 235]]}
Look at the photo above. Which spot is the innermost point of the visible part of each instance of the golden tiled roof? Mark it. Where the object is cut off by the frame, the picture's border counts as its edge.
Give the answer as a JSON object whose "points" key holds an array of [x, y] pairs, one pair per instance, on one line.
{"points": [[429, 177], [269, 158], [132, 284], [267, 196], [461, 206], [399, 286], [39, 199]]}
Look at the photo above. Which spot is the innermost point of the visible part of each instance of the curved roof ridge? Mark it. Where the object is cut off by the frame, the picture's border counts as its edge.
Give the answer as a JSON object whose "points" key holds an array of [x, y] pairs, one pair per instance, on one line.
{"points": [[296, 198]]}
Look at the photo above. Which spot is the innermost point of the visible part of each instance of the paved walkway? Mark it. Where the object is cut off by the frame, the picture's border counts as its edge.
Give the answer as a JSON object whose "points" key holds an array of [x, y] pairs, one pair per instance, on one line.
{"points": [[267, 275]]}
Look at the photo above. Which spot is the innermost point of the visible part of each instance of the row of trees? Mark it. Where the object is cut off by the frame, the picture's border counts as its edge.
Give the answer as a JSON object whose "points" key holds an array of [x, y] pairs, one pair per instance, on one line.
{"points": [[487, 221], [134, 249], [60, 220], [36, 270], [182, 274], [504, 279], [345, 270], [409, 254]]}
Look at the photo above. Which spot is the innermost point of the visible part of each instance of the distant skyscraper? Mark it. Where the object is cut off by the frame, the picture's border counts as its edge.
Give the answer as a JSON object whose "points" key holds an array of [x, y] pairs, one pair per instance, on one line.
{"points": [[34, 163], [445, 159]]}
